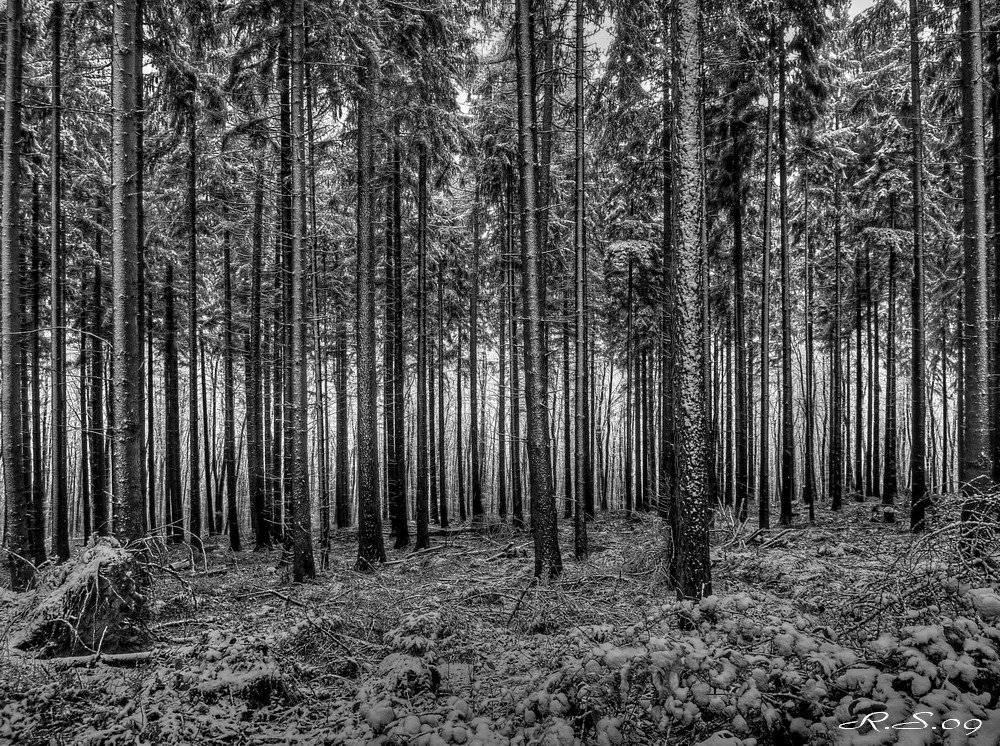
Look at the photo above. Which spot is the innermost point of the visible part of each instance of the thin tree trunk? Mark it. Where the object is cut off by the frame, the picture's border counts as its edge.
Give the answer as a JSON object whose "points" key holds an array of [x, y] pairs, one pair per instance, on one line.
{"points": [[918, 379], [474, 404], [173, 509], [835, 470], [764, 508], [371, 550], [582, 430], [442, 473], [303, 562], [809, 493], [890, 479], [423, 455], [60, 496], [194, 455]]}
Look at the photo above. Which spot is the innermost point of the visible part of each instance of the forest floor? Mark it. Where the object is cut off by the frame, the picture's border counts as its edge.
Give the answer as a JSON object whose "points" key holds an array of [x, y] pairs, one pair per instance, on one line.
{"points": [[808, 630]]}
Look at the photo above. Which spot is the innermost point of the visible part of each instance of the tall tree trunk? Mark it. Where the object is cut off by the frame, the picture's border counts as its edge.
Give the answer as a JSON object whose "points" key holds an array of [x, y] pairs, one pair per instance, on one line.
{"points": [[946, 486], [145, 388], [229, 398], [209, 429], [150, 422], [371, 550], [459, 448], [975, 467], [32, 393], [127, 367], [743, 482], [835, 478], [194, 454], [918, 374], [809, 493], [173, 510], [423, 455], [60, 496], [255, 435], [95, 398], [582, 433], [85, 498], [303, 562], [399, 350], [627, 446], [871, 468], [764, 507], [691, 568], [443, 472], [516, 480], [890, 479], [787, 414], [568, 428], [477, 486], [859, 482], [502, 386], [994, 40], [548, 560]]}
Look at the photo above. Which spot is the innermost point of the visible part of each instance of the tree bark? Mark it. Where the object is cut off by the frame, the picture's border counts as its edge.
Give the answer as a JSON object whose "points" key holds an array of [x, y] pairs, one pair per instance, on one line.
{"points": [[918, 385], [371, 549], [548, 561], [194, 454], [303, 562], [764, 507], [474, 404], [60, 496], [423, 454], [975, 466], [173, 516], [582, 434], [691, 567]]}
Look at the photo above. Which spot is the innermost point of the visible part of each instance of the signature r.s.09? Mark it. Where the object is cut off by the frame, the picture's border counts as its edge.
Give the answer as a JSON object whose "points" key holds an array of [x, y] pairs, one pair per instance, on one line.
{"points": [[919, 722]]}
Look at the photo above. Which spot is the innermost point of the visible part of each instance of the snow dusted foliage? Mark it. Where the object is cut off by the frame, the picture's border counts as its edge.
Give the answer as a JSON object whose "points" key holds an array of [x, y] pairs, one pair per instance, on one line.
{"points": [[93, 603]]}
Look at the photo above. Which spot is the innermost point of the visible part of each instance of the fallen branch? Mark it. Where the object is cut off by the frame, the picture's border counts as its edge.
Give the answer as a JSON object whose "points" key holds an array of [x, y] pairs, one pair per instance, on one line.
{"points": [[108, 659]]}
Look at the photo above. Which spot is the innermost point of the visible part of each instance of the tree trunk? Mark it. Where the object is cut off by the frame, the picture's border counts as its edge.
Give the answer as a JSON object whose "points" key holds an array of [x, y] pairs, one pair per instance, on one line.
{"points": [[60, 497], [582, 434], [787, 413], [194, 454], [835, 478], [255, 435], [423, 456], [743, 484], [918, 385], [371, 550], [809, 493], [442, 473], [477, 487], [229, 398], [628, 444], [890, 479], [568, 428], [303, 563], [975, 467], [127, 380], [173, 511], [764, 507], [691, 568], [548, 561]]}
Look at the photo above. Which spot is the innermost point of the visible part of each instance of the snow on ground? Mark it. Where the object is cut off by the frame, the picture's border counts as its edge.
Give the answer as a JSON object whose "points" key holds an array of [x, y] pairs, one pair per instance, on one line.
{"points": [[823, 634]]}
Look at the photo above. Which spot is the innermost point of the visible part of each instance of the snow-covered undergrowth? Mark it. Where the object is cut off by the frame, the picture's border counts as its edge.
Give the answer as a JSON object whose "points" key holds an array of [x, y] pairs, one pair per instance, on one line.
{"points": [[94, 602], [455, 648]]}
